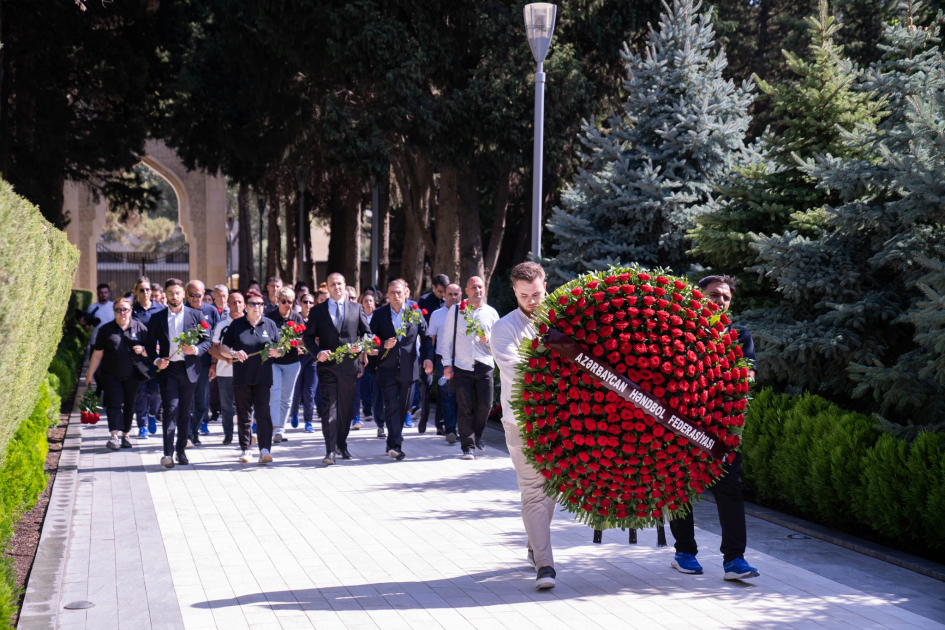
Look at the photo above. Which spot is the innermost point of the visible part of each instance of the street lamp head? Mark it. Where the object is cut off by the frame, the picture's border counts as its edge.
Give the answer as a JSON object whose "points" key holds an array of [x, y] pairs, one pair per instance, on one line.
{"points": [[539, 26]]}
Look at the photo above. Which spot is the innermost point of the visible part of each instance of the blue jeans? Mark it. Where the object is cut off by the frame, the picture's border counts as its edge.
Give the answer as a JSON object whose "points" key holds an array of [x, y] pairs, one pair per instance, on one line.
{"points": [[201, 402], [282, 393], [306, 389], [365, 386], [445, 400], [148, 401], [377, 401], [356, 406]]}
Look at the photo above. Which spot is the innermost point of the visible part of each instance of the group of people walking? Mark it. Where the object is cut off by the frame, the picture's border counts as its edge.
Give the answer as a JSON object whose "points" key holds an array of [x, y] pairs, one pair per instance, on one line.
{"points": [[164, 349]]}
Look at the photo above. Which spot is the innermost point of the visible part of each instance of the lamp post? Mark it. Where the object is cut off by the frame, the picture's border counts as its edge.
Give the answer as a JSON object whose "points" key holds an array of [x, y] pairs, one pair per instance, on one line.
{"points": [[375, 242], [539, 27], [303, 181]]}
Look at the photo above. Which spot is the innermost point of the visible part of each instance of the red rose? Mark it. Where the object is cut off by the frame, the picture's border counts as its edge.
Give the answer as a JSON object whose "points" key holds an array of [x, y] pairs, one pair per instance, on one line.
{"points": [[424, 311], [462, 305], [294, 343], [416, 306], [204, 325], [576, 291], [377, 340]]}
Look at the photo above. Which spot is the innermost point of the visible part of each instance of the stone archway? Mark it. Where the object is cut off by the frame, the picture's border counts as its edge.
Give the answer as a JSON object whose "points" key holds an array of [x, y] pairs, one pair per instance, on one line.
{"points": [[202, 216]]}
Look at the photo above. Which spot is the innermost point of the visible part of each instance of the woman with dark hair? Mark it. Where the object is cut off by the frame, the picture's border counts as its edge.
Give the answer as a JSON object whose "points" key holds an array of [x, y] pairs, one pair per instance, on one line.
{"points": [[307, 395], [115, 348]]}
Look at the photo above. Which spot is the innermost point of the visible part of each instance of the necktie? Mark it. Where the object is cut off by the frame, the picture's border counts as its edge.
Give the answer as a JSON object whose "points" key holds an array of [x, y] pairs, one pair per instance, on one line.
{"points": [[338, 316]]}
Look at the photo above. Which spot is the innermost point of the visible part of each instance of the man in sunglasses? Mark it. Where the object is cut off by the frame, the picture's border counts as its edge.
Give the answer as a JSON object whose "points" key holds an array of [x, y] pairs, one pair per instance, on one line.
{"points": [[209, 314], [148, 401]]}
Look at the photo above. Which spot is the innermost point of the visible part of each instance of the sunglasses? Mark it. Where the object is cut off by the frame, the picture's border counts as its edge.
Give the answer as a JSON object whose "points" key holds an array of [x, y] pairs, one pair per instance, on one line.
{"points": [[144, 290], [285, 301], [255, 304], [309, 302], [196, 296], [122, 310]]}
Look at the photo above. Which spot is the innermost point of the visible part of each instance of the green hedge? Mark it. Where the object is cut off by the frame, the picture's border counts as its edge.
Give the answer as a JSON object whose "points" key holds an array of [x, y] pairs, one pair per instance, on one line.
{"points": [[22, 480], [37, 265], [835, 467]]}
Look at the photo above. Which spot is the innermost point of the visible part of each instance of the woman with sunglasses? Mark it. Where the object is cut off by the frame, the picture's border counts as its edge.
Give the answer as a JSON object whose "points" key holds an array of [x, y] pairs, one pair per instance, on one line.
{"points": [[306, 385], [148, 402], [285, 370], [115, 348]]}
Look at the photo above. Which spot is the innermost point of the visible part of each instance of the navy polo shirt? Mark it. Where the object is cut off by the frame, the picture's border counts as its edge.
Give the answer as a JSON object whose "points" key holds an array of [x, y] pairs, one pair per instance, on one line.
{"points": [[118, 355], [143, 315], [242, 335]]}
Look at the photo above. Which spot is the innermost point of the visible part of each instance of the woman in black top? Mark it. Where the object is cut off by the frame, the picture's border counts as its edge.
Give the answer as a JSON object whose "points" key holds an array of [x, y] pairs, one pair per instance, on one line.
{"points": [[285, 370], [116, 345]]}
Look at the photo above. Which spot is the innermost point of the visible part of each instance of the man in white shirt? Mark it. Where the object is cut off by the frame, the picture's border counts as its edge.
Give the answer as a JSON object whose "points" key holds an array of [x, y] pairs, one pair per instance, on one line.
{"points": [[528, 283], [103, 309], [445, 414], [468, 358], [221, 372]]}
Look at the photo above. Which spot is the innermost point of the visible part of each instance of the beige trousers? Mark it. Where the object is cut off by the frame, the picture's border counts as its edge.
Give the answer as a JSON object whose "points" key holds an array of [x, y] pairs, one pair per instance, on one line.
{"points": [[537, 507]]}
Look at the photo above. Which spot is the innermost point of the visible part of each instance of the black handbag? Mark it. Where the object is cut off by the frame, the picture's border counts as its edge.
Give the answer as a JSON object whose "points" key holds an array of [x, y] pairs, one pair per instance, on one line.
{"points": [[141, 371]]}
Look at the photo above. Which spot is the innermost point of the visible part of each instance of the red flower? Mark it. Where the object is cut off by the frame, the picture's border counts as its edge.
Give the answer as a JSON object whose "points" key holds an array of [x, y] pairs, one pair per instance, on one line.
{"points": [[423, 311], [462, 305], [204, 325], [377, 340], [416, 306], [294, 343]]}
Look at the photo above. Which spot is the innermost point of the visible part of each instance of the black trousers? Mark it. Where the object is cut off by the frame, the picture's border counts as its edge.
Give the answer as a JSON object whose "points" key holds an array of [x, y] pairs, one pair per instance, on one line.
{"points": [[215, 406], [250, 399], [426, 385], [119, 400], [177, 401], [338, 405], [397, 398], [728, 498], [474, 395]]}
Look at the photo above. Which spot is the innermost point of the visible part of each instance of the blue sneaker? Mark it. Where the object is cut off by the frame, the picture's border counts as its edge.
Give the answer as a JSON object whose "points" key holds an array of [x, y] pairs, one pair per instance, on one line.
{"points": [[687, 563], [143, 433], [295, 421], [309, 428], [152, 425], [409, 422], [738, 569], [204, 429]]}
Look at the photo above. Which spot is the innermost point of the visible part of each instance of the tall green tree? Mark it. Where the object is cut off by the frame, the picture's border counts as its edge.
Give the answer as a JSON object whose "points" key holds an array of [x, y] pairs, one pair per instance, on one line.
{"points": [[850, 292], [812, 112], [652, 170]]}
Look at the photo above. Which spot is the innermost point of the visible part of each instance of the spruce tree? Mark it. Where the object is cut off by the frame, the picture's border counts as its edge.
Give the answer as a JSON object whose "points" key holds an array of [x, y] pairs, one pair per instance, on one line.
{"points": [[653, 169], [772, 194], [850, 294]]}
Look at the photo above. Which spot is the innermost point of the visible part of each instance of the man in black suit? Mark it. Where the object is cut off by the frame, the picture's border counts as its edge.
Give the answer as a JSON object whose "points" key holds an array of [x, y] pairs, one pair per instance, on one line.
{"points": [[397, 371], [331, 324], [430, 302], [179, 368]]}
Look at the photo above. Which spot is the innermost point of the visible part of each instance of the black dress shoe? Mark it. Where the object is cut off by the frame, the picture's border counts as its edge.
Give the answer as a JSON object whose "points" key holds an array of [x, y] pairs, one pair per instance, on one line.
{"points": [[422, 427], [440, 432], [195, 440], [345, 454], [227, 440], [182, 458]]}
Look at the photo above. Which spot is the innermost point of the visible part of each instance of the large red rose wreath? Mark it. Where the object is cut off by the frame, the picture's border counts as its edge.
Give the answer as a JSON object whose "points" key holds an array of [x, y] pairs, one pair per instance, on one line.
{"points": [[621, 453]]}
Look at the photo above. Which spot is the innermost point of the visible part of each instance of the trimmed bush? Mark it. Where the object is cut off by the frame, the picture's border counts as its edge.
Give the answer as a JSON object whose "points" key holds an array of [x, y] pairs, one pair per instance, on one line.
{"points": [[837, 468], [37, 265]]}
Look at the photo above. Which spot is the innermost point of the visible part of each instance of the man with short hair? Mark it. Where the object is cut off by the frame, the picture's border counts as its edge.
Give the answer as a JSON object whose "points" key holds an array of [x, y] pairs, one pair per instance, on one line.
{"points": [[219, 301], [728, 489], [103, 309], [148, 400], [428, 303], [397, 362], [332, 324], [469, 359], [445, 415], [528, 285], [222, 370], [221, 295], [273, 286], [157, 294], [209, 314], [179, 368]]}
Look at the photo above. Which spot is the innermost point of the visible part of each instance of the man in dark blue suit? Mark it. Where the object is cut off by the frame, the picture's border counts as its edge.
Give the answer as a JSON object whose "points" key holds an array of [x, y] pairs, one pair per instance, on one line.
{"points": [[332, 324], [179, 367], [430, 302], [397, 371], [209, 314]]}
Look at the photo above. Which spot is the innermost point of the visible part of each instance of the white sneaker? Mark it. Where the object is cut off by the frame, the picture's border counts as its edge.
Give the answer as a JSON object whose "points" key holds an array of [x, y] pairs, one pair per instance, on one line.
{"points": [[356, 426], [113, 443], [264, 456], [276, 438], [244, 457], [167, 462], [392, 453], [190, 444]]}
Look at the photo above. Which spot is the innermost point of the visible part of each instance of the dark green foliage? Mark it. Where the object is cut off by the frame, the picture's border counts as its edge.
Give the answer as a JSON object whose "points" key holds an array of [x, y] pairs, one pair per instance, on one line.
{"points": [[837, 468]]}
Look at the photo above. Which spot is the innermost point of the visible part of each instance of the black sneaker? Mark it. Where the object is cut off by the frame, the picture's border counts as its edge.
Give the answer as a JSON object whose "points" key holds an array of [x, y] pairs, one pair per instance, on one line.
{"points": [[400, 455], [182, 458], [125, 443], [227, 440], [546, 578], [480, 444]]}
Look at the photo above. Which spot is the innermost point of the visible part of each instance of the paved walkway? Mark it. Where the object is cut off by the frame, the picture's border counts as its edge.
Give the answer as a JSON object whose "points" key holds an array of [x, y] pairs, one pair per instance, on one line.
{"points": [[433, 541]]}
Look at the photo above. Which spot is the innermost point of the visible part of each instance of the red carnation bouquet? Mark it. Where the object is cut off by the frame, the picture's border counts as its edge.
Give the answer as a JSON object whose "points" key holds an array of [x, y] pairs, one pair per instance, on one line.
{"points": [[190, 337], [408, 317], [90, 404], [631, 396], [473, 325], [367, 343], [290, 338]]}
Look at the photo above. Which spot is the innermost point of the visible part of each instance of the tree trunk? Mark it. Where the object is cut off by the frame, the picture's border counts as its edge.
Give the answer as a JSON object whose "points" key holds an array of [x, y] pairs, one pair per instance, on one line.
{"points": [[414, 177], [292, 272], [336, 224], [352, 255], [448, 214], [761, 63], [470, 235], [274, 249], [498, 227], [383, 228], [245, 242], [309, 277], [411, 261]]}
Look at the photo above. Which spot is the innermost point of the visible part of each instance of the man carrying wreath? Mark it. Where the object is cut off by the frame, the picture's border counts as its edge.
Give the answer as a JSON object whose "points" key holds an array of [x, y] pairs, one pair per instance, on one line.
{"points": [[179, 367], [397, 363], [528, 284]]}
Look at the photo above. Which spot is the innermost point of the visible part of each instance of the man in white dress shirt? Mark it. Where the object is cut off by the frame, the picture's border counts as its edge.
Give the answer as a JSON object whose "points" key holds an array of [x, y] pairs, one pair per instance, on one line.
{"points": [[468, 359], [528, 283], [445, 416]]}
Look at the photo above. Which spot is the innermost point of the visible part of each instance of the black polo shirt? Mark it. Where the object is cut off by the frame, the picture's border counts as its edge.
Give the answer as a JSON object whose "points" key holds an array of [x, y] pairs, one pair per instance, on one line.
{"points": [[241, 335], [116, 344], [290, 357]]}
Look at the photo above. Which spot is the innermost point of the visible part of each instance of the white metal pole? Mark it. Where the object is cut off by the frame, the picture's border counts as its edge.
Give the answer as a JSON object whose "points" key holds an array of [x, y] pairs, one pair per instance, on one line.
{"points": [[538, 160], [375, 231]]}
